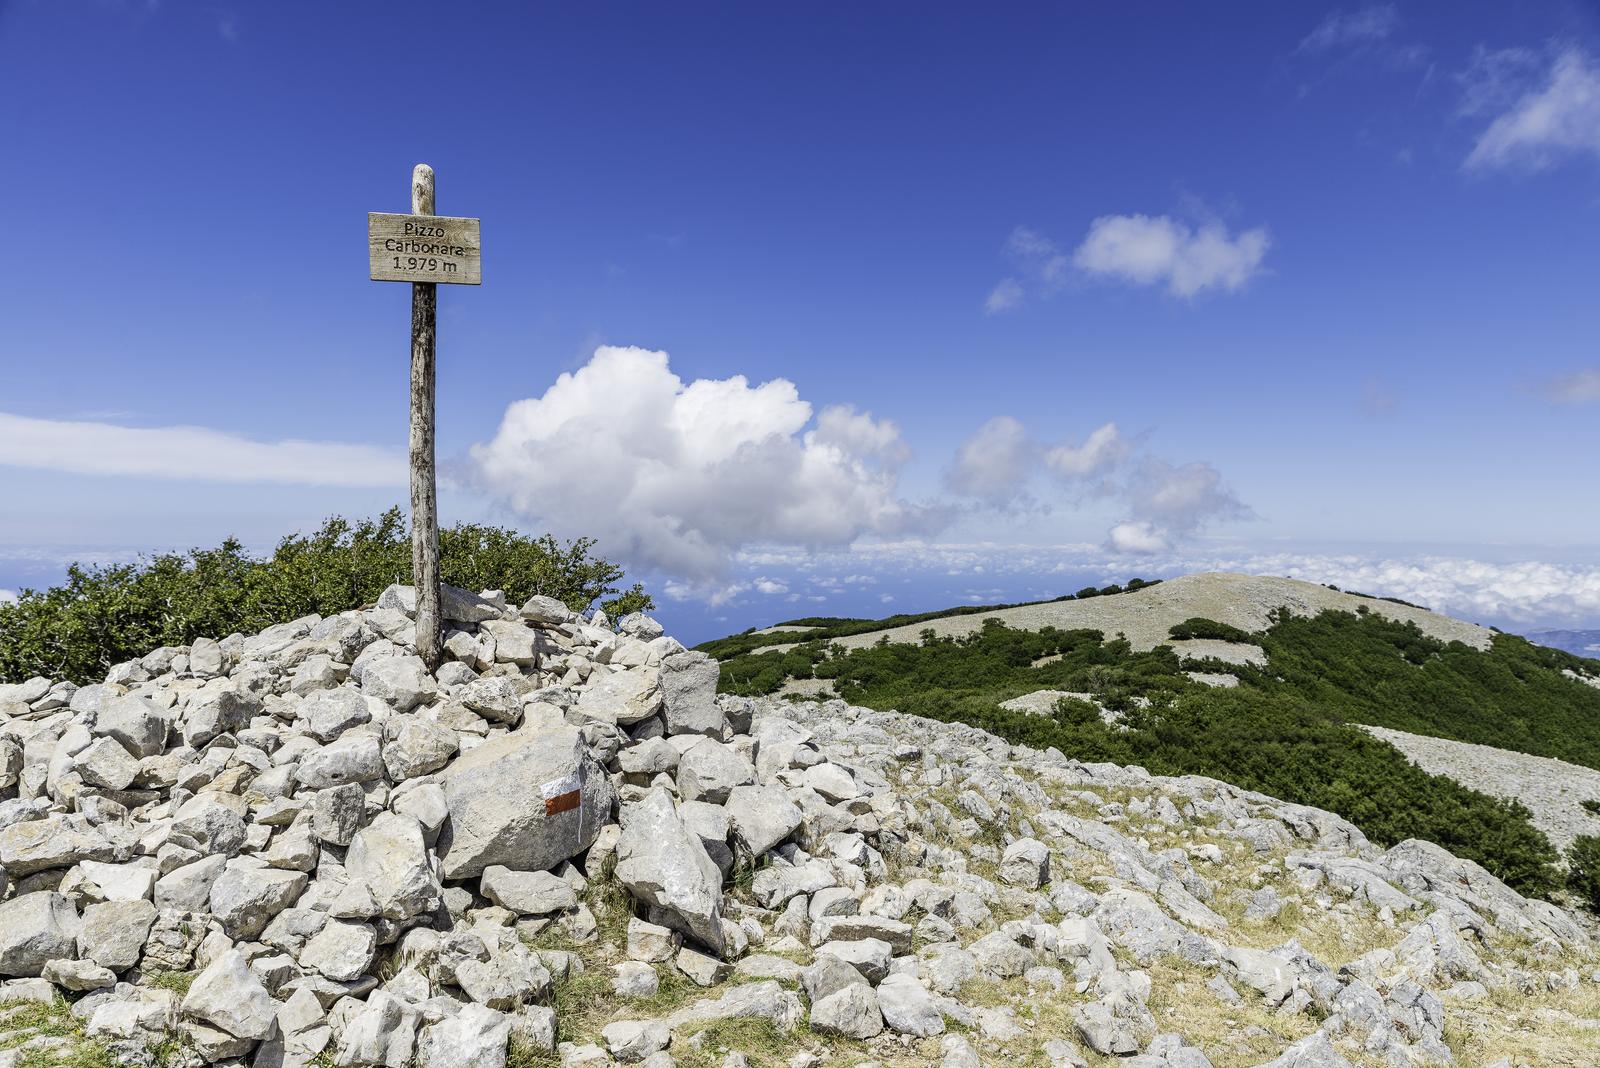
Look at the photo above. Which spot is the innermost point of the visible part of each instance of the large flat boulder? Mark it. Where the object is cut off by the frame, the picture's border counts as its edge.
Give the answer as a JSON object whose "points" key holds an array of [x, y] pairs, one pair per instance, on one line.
{"points": [[663, 863], [528, 800]]}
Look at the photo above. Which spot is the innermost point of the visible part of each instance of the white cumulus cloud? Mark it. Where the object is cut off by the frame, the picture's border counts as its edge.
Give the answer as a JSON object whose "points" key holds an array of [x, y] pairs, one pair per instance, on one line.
{"points": [[8, 596], [1138, 536], [677, 476], [188, 452], [994, 464], [1102, 450], [1172, 502], [1160, 250], [1553, 119]]}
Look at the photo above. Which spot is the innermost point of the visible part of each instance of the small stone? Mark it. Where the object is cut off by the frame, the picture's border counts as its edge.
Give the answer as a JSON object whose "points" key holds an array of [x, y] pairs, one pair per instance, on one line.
{"points": [[634, 979], [851, 1011], [631, 1041], [527, 893]]}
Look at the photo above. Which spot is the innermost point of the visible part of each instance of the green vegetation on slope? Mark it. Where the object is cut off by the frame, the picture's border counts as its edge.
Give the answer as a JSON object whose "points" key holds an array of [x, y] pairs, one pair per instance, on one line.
{"points": [[102, 616], [1369, 669], [1285, 731], [1199, 627]]}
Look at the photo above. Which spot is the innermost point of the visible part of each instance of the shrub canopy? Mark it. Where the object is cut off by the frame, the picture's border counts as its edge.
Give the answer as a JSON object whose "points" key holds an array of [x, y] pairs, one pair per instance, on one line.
{"points": [[102, 616]]}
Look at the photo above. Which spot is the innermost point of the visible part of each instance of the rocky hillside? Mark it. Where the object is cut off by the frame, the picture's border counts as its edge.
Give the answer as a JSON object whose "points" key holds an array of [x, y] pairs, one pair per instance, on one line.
{"points": [[302, 847], [1146, 616]]}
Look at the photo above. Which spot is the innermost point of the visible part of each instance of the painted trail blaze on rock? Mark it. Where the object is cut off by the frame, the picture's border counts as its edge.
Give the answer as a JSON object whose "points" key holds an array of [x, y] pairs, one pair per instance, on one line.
{"points": [[562, 795], [528, 800]]}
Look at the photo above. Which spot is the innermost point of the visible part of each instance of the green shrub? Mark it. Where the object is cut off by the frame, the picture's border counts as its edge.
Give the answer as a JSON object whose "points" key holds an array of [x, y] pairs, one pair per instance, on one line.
{"points": [[1583, 869], [102, 616], [1200, 627]]}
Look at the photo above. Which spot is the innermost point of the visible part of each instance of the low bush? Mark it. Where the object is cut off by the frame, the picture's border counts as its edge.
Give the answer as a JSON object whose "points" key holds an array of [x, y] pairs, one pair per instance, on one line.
{"points": [[102, 616]]}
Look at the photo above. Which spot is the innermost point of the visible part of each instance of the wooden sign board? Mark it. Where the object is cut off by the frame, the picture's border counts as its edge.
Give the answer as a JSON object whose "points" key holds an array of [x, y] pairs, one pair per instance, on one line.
{"points": [[424, 248]]}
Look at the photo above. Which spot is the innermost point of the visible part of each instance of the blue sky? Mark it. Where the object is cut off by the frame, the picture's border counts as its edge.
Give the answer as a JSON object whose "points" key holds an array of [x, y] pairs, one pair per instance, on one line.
{"points": [[1021, 299]]}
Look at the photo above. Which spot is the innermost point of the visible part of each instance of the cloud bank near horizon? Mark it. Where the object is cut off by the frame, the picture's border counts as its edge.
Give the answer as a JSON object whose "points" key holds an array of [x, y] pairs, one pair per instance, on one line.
{"points": [[1517, 593], [84, 447]]}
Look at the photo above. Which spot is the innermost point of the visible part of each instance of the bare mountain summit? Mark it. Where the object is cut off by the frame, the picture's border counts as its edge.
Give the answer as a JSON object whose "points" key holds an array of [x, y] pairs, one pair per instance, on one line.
{"points": [[1146, 615]]}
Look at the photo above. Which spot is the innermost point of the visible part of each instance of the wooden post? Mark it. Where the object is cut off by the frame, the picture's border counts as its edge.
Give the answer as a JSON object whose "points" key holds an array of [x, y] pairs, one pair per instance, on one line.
{"points": [[424, 491]]}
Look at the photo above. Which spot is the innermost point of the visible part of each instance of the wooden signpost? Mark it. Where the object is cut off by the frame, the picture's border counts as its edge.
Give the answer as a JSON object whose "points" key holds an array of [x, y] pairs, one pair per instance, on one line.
{"points": [[424, 249]]}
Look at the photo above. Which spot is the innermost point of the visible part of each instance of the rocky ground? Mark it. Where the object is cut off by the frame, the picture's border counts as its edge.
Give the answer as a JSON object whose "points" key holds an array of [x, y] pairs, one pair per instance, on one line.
{"points": [[302, 847]]}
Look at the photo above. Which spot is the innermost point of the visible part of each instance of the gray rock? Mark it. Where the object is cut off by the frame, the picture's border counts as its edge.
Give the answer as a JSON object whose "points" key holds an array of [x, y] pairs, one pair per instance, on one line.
{"points": [[621, 697], [527, 800], [1314, 1051], [709, 771], [456, 605], [648, 758], [650, 942], [475, 1037], [119, 882], [381, 1034], [107, 764], [869, 956], [761, 817], [512, 977], [852, 1012], [36, 845], [213, 823], [355, 757], [634, 979], [854, 928], [326, 714], [416, 746], [188, 888], [136, 722], [391, 859], [664, 864], [689, 695], [229, 996], [78, 975], [402, 682], [1267, 973], [341, 951], [527, 893], [219, 712], [1026, 863], [909, 1009], [495, 698], [546, 611], [112, 934], [337, 812], [245, 897], [35, 929], [765, 1000], [631, 1041], [827, 975]]}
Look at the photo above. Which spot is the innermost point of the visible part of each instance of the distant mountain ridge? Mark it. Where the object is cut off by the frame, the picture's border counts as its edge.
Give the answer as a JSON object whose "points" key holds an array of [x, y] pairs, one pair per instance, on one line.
{"points": [[1577, 642]]}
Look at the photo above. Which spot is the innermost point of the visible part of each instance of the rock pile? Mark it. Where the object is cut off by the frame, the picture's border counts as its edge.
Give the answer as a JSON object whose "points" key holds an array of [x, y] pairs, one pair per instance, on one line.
{"points": [[303, 847]]}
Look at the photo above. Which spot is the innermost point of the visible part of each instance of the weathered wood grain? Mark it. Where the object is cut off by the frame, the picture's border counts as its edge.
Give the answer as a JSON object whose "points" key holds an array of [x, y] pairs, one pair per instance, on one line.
{"points": [[424, 491]]}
